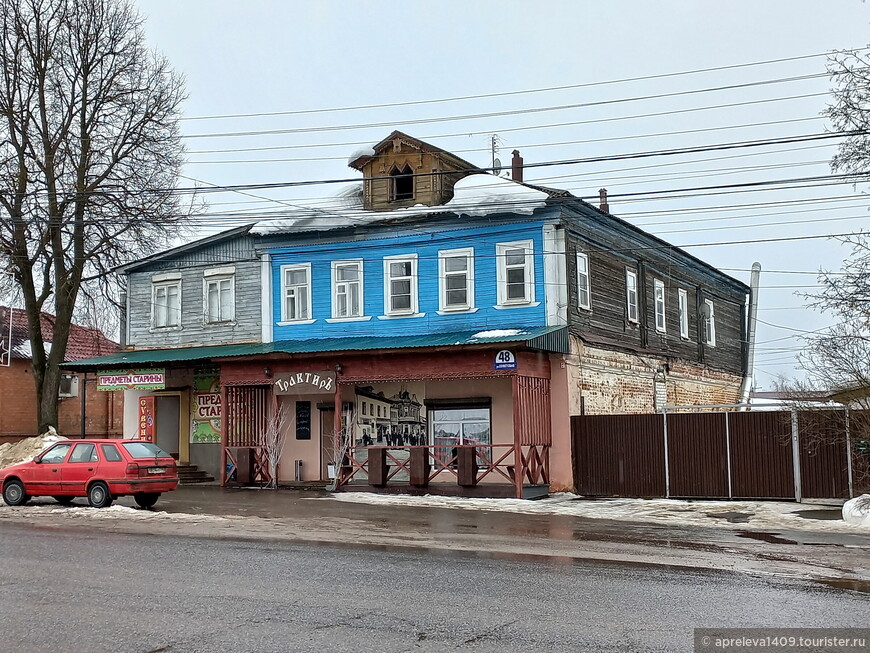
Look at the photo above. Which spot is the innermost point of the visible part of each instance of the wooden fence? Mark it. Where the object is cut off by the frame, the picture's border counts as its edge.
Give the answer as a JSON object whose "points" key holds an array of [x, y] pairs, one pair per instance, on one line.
{"points": [[726, 454]]}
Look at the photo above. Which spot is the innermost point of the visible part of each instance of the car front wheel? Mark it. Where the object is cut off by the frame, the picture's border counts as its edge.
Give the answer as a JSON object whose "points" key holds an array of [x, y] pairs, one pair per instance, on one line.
{"points": [[99, 496], [14, 494], [146, 499]]}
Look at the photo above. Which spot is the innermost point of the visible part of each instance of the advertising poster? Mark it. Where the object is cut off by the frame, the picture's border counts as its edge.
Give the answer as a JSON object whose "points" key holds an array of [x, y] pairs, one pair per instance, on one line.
{"points": [[206, 410]]}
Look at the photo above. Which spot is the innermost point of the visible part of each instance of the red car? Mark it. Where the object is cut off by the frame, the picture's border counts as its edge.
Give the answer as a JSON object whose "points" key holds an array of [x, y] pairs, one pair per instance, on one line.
{"points": [[101, 470]]}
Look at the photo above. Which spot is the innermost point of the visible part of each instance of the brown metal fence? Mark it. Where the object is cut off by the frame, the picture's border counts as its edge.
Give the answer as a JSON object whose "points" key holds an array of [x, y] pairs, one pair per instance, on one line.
{"points": [[723, 454]]}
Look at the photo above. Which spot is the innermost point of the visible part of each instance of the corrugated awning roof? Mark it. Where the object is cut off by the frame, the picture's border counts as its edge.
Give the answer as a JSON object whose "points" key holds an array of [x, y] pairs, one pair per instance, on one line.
{"points": [[553, 339]]}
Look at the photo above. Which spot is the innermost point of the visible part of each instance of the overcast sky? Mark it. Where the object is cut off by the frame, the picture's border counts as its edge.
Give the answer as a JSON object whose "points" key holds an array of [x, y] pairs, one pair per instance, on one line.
{"points": [[334, 60]]}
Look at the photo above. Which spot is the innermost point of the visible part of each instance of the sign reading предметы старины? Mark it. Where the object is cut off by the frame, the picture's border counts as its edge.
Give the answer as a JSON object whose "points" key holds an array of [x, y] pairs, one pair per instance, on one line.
{"points": [[132, 380]]}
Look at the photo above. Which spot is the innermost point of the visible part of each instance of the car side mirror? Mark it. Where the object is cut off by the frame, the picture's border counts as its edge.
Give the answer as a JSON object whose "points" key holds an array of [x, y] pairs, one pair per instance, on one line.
{"points": [[37, 460]]}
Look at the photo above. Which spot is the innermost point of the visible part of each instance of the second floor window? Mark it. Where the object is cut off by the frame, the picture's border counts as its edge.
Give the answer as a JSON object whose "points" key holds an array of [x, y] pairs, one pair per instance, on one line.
{"points": [[631, 295], [402, 181], [683, 306], [659, 291], [515, 273], [709, 320], [456, 279], [583, 296], [400, 285], [166, 303], [296, 292], [347, 298], [219, 290]]}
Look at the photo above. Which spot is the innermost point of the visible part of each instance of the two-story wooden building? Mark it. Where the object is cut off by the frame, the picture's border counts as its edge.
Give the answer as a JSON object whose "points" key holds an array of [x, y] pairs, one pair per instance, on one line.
{"points": [[436, 336]]}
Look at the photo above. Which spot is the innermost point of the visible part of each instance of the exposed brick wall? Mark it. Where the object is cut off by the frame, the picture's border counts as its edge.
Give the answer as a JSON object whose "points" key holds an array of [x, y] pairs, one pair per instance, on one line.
{"points": [[104, 412], [609, 382]]}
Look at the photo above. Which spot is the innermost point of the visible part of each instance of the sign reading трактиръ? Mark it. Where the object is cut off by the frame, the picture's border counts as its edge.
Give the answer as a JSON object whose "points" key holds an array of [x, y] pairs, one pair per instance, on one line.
{"points": [[133, 380]]}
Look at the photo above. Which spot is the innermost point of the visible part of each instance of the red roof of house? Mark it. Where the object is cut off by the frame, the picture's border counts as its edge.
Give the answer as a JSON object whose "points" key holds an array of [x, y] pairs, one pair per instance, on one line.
{"points": [[84, 342]]}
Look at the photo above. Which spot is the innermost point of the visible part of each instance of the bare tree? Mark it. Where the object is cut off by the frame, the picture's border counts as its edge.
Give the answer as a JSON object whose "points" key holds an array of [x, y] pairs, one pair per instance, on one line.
{"points": [[89, 158], [274, 438], [837, 359]]}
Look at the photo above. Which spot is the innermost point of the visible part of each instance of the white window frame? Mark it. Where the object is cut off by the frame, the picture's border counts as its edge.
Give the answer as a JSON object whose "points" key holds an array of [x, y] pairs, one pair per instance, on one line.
{"points": [[443, 274], [660, 305], [216, 276], [501, 250], [285, 320], [631, 309], [683, 310], [336, 284], [413, 310], [165, 282], [583, 281], [710, 324]]}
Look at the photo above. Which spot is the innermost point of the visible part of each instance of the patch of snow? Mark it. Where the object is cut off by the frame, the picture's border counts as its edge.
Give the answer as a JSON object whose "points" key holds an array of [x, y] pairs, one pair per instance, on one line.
{"points": [[12, 453], [498, 333], [363, 151], [857, 511], [761, 515], [115, 512], [475, 195]]}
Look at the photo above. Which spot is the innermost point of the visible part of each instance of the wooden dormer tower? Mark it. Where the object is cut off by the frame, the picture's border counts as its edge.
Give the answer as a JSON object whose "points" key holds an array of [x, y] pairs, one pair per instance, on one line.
{"points": [[403, 171]]}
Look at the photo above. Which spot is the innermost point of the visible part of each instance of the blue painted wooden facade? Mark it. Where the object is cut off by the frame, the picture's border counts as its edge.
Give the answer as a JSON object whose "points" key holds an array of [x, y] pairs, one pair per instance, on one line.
{"points": [[425, 242]]}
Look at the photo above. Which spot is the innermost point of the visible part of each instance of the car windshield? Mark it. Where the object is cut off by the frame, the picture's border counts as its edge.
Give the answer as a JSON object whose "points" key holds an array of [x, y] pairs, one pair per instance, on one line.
{"points": [[144, 450]]}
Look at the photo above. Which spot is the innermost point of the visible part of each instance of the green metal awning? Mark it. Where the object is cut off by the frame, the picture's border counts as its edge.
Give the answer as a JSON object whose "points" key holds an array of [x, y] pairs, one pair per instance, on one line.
{"points": [[553, 339]]}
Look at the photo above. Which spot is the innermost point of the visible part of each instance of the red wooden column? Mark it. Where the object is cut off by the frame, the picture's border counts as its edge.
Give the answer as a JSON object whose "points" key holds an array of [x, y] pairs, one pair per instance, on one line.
{"points": [[336, 436], [519, 464], [224, 429]]}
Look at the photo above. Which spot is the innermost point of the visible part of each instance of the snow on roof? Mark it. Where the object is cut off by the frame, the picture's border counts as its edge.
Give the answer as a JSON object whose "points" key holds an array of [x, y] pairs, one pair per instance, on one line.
{"points": [[368, 150], [84, 342], [475, 195], [497, 333]]}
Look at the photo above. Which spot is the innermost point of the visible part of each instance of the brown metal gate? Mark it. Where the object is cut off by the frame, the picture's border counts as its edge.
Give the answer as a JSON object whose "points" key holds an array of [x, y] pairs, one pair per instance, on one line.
{"points": [[762, 463], [739, 455], [619, 455]]}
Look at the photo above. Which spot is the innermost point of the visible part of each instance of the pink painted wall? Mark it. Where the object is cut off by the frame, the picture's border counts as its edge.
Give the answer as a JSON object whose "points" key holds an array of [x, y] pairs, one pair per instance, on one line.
{"points": [[561, 464]]}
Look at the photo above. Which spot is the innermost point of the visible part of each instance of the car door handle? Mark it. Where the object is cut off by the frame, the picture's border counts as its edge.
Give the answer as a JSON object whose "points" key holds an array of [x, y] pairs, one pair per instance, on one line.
{"points": [[54, 470], [90, 469]]}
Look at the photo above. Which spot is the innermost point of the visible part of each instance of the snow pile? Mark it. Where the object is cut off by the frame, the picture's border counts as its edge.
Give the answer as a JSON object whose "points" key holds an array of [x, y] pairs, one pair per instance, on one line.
{"points": [[13, 453], [497, 333], [753, 515], [475, 195], [857, 511], [361, 152], [125, 513]]}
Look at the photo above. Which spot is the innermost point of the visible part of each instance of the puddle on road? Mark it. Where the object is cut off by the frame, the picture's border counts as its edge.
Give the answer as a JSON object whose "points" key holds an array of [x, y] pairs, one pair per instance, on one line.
{"points": [[732, 516], [764, 536], [822, 514], [848, 584]]}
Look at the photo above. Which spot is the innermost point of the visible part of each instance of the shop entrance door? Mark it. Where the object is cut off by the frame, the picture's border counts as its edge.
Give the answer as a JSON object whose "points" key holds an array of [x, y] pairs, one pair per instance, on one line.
{"points": [[167, 420], [327, 440]]}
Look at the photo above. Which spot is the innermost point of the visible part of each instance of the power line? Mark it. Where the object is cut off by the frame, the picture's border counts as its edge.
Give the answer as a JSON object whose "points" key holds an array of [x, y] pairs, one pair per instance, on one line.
{"points": [[512, 93], [510, 112]]}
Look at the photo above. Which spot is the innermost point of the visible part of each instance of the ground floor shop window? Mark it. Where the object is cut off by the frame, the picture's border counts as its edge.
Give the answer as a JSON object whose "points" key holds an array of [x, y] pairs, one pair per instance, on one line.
{"points": [[459, 422]]}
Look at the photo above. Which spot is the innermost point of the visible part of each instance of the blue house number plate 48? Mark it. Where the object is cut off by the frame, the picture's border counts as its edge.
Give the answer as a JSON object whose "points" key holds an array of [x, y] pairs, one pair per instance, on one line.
{"points": [[505, 360]]}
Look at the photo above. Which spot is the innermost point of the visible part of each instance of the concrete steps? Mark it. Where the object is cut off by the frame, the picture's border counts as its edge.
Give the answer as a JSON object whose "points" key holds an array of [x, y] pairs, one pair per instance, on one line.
{"points": [[191, 475]]}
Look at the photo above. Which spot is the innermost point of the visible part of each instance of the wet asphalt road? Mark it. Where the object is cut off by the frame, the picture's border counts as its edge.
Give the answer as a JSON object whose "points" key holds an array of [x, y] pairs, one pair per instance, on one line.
{"points": [[71, 590]]}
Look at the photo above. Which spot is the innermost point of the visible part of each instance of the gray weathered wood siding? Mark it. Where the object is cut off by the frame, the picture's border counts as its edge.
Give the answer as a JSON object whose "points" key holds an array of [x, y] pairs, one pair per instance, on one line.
{"points": [[612, 247], [247, 325]]}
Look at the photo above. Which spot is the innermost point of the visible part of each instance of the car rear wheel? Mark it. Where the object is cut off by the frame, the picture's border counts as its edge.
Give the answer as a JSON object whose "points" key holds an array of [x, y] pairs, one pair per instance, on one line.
{"points": [[146, 499], [64, 501], [14, 494], [99, 496]]}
